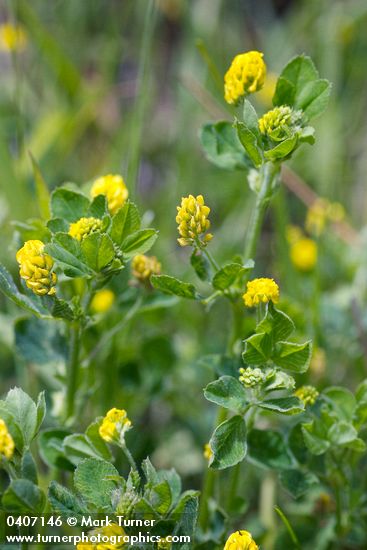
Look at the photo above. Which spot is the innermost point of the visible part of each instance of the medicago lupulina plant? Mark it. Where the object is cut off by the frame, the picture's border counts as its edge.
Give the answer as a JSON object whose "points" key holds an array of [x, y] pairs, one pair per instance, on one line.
{"points": [[68, 261]]}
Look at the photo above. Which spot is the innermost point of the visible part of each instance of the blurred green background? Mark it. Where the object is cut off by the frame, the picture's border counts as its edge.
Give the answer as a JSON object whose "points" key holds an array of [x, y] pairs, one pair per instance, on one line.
{"points": [[123, 86]]}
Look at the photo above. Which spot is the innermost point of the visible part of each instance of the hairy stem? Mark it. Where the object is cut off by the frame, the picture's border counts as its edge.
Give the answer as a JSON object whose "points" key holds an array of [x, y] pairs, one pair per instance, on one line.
{"points": [[269, 173], [73, 368]]}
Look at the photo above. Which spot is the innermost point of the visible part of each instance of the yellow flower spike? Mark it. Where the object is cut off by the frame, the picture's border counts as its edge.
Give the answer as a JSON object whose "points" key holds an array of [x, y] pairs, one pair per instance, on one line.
{"points": [[36, 268], [276, 120], [303, 254], [102, 301], [241, 540], [115, 190], [192, 220], [261, 291], [143, 267], [6, 441], [246, 75], [12, 37], [208, 453], [307, 394], [84, 227], [113, 532], [114, 425]]}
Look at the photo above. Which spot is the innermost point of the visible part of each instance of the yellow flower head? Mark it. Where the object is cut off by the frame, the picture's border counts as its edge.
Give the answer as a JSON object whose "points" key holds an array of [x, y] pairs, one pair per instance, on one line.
{"points": [[246, 75], [261, 291], [102, 300], [111, 536], [304, 254], [192, 219], [6, 441], [12, 37], [277, 122], [241, 540], [208, 453], [114, 425], [115, 190], [36, 268], [143, 267], [84, 227], [307, 394]]}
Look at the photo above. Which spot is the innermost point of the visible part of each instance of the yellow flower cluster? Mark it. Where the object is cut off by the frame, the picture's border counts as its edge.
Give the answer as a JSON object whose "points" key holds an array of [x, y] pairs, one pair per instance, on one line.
{"points": [[246, 75], [277, 120], [307, 394], [143, 267], [320, 213], [114, 425], [6, 441], [12, 37], [261, 291], [112, 537], [241, 540], [192, 219], [102, 301], [303, 254], [36, 268], [115, 190], [208, 453], [84, 227]]}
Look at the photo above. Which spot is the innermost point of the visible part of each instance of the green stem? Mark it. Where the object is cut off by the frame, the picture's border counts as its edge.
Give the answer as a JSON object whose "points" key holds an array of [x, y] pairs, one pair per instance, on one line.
{"points": [[209, 482], [269, 173], [129, 456], [73, 368], [212, 261], [233, 484]]}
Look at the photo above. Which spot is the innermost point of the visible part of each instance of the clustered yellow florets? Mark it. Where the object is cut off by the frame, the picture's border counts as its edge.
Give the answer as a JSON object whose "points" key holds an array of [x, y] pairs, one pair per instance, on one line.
{"points": [[261, 291], [114, 425], [241, 540], [36, 268], [250, 377], [143, 267], [277, 120], [111, 535], [115, 190], [246, 75], [208, 453], [12, 37], [192, 219], [84, 227], [6, 441], [102, 300], [307, 394]]}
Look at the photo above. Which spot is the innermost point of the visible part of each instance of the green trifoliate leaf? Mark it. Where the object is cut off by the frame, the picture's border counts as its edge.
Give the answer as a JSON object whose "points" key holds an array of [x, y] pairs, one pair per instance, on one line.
{"points": [[98, 251], [314, 439], [125, 222], [300, 87], [268, 448], [230, 273], [250, 143], [227, 392], [69, 205], [139, 242], [91, 480], [282, 405], [228, 443], [297, 482], [276, 323], [222, 146], [24, 411], [63, 501], [23, 496], [293, 357], [258, 349], [67, 253], [171, 285]]}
